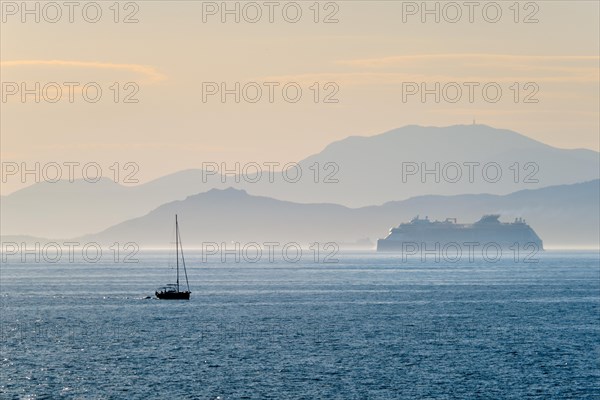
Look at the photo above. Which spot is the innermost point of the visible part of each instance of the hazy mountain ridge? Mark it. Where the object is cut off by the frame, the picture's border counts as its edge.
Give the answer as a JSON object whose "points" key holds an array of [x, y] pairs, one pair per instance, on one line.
{"points": [[375, 163], [563, 216], [370, 172]]}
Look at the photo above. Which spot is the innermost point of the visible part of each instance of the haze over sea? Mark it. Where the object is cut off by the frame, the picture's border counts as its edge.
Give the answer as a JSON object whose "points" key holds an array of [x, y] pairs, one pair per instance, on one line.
{"points": [[368, 327]]}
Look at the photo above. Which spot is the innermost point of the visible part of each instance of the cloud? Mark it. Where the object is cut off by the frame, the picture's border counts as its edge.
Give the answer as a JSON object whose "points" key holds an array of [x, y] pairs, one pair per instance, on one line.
{"points": [[391, 78], [467, 58], [466, 67], [147, 71]]}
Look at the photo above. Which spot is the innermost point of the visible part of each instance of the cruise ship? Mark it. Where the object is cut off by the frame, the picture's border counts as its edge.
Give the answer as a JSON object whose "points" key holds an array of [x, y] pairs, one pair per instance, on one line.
{"points": [[488, 231]]}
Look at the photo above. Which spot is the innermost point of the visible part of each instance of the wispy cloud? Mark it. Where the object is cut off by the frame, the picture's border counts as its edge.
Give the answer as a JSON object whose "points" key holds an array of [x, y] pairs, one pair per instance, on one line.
{"points": [[465, 67], [467, 58], [150, 73], [389, 78]]}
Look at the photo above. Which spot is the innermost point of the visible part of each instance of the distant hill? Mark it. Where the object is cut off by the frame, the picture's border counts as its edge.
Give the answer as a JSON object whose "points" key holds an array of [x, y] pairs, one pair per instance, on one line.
{"points": [[563, 216], [369, 171], [371, 168]]}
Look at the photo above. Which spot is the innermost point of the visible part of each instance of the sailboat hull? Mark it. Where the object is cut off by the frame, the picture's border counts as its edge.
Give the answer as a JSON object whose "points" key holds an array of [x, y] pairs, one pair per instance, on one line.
{"points": [[173, 295]]}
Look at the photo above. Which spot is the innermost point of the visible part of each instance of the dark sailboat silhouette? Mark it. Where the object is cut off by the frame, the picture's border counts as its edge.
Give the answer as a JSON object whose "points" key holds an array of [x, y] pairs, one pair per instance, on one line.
{"points": [[171, 291]]}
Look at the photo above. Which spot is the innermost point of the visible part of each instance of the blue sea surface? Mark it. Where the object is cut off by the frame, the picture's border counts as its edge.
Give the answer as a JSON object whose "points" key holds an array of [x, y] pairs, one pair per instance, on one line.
{"points": [[371, 326]]}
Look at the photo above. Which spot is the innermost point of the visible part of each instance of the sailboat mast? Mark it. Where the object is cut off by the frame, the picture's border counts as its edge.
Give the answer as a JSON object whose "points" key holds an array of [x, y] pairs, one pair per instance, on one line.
{"points": [[177, 249]]}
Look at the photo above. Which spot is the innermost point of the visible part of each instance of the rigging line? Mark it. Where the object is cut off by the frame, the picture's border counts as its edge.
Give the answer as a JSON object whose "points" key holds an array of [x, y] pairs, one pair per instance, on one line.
{"points": [[183, 261]]}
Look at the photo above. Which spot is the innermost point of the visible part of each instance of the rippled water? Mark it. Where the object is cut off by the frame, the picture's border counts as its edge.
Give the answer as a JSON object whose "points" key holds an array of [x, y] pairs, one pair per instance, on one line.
{"points": [[368, 327]]}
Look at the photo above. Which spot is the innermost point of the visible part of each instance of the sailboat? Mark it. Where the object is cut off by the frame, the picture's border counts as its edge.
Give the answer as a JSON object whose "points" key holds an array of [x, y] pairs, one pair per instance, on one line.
{"points": [[172, 291]]}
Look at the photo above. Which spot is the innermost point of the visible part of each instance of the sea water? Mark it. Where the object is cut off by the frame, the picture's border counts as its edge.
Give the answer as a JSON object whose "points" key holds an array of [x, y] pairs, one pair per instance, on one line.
{"points": [[368, 326]]}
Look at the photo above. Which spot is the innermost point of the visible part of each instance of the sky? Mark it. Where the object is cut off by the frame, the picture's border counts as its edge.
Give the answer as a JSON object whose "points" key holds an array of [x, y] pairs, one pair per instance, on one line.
{"points": [[154, 74]]}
